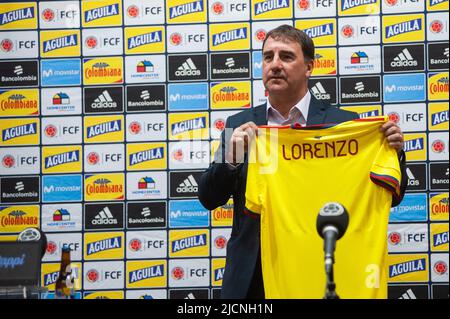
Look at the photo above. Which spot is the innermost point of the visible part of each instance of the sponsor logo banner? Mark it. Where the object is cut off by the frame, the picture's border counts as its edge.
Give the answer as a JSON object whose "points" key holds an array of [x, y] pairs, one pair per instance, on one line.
{"points": [[146, 98], [325, 62], [146, 127], [100, 245], [229, 10], [439, 267], [439, 176], [358, 7], [187, 38], [439, 236], [61, 101], [147, 185], [217, 271], [103, 13], [62, 218], [184, 97], [407, 238], [230, 95], [103, 275], [404, 87], [439, 291], [61, 130], [62, 188], [415, 146], [188, 67], [103, 216], [19, 45], [360, 60], [189, 155], [189, 293], [437, 26], [145, 68], [14, 219], [146, 156], [98, 42], [402, 58], [20, 160], [59, 15], [219, 241], [222, 216], [19, 73], [20, 189], [15, 16], [144, 40], [147, 244], [435, 5], [359, 30], [182, 11], [438, 84], [104, 295], [218, 120], [229, 37], [189, 243], [404, 6], [260, 29], [61, 72], [256, 64], [146, 274], [60, 43], [438, 56], [410, 117], [62, 159], [146, 294], [184, 184], [19, 132], [269, 9], [103, 99], [103, 187], [413, 208], [104, 158], [408, 268], [365, 111], [108, 70], [324, 89], [50, 273], [143, 215], [438, 206], [438, 146], [188, 126], [55, 243], [189, 273], [417, 177], [322, 31], [360, 89], [315, 8], [98, 129], [408, 292], [23, 102], [139, 12], [187, 213], [406, 28]]}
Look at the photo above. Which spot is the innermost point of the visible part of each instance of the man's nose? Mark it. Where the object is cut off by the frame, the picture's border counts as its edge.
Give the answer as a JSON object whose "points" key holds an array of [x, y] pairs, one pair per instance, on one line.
{"points": [[276, 63]]}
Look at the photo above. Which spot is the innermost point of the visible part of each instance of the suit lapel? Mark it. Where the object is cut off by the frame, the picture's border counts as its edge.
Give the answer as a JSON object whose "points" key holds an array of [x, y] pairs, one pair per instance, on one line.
{"points": [[260, 114], [316, 112]]}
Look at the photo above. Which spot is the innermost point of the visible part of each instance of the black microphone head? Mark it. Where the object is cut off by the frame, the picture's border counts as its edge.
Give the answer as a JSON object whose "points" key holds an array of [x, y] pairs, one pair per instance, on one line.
{"points": [[34, 234], [332, 214]]}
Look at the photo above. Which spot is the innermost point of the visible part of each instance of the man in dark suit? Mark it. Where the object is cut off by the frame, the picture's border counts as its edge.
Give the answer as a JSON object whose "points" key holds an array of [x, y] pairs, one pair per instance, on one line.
{"points": [[288, 56]]}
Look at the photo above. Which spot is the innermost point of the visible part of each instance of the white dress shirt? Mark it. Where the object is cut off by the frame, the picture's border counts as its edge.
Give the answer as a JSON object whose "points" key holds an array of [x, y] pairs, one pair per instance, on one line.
{"points": [[298, 113]]}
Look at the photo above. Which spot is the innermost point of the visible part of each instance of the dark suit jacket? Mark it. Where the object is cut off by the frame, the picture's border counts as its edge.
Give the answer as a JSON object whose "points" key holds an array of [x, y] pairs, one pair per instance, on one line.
{"points": [[219, 182]]}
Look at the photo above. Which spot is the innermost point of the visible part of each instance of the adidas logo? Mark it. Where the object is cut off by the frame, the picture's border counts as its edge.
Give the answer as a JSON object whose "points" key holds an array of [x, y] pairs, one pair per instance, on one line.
{"points": [[412, 181], [188, 68], [410, 174], [18, 70], [359, 86], [319, 92], [146, 212], [404, 58], [409, 294], [190, 296], [20, 186], [105, 217], [103, 101], [145, 95], [189, 185], [229, 62]]}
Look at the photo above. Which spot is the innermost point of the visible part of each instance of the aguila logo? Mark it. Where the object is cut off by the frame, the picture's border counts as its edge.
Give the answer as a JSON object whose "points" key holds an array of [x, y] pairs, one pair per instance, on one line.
{"points": [[394, 117], [347, 31], [178, 273], [217, 8], [438, 146], [134, 128], [260, 35], [395, 238], [6, 45], [436, 26], [135, 244], [51, 248], [133, 11], [8, 161], [91, 42], [303, 4], [440, 267], [48, 15], [220, 242], [50, 130], [92, 275], [93, 158], [176, 39]]}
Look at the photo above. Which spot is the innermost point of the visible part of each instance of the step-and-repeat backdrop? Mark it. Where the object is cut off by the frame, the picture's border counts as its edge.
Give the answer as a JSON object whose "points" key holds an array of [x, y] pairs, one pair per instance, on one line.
{"points": [[110, 110]]}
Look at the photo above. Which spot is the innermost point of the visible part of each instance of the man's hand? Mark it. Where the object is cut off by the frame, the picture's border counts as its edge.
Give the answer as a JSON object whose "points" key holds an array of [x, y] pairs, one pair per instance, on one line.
{"points": [[393, 134], [239, 142]]}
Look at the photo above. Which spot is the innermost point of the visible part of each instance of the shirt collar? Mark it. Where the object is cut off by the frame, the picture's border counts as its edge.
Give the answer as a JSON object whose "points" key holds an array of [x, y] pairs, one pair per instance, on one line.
{"points": [[302, 106]]}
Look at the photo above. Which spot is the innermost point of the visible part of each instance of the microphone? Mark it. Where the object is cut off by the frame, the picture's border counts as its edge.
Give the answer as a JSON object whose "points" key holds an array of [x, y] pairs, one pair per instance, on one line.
{"points": [[331, 225], [34, 234]]}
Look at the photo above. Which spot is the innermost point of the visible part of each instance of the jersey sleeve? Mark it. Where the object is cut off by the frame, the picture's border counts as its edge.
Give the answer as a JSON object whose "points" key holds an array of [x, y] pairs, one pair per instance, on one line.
{"points": [[385, 170]]}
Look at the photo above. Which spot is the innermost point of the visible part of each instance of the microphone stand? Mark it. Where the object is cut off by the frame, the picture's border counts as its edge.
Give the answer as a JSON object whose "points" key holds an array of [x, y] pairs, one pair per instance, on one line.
{"points": [[330, 288]]}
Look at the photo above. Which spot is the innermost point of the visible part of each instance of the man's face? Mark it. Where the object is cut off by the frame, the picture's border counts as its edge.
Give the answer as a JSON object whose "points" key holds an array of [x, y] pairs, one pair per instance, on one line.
{"points": [[284, 67]]}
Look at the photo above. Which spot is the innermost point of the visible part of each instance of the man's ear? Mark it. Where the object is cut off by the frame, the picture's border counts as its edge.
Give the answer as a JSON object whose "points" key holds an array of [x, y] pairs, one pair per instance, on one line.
{"points": [[310, 68]]}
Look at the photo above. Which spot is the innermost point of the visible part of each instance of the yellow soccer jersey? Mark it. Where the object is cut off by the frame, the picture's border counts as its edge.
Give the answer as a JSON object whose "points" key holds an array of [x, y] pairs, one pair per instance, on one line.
{"points": [[292, 173]]}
